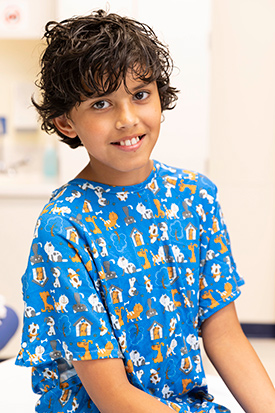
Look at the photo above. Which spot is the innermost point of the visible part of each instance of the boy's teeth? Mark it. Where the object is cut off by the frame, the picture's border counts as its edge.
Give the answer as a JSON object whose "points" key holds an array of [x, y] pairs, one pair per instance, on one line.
{"points": [[129, 142]]}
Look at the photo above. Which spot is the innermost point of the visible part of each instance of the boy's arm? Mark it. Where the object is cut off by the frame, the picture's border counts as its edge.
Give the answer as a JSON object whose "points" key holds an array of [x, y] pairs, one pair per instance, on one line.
{"points": [[236, 361], [107, 384]]}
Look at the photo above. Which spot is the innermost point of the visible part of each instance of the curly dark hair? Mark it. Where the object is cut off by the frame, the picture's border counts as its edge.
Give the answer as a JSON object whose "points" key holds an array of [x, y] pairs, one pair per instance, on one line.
{"points": [[81, 51]]}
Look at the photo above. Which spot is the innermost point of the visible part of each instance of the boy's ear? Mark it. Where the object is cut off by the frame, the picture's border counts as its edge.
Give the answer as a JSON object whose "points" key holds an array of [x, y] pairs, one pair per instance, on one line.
{"points": [[64, 125]]}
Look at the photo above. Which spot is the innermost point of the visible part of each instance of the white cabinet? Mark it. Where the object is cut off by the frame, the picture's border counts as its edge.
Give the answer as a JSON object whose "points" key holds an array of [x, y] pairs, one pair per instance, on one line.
{"points": [[69, 8], [185, 26], [25, 19]]}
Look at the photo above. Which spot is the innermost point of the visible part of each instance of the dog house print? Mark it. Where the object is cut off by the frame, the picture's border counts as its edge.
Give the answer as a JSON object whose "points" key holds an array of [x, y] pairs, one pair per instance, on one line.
{"points": [[153, 186], [116, 294], [83, 327], [191, 232], [156, 331], [87, 207], [172, 274], [186, 365], [137, 237], [72, 235], [39, 276]]}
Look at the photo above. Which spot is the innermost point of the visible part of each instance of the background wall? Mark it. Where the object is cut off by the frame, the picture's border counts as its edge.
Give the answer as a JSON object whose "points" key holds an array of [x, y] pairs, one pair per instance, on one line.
{"points": [[223, 126], [242, 143]]}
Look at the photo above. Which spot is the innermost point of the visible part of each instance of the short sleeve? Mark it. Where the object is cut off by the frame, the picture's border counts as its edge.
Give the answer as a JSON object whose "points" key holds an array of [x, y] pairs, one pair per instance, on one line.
{"points": [[65, 312], [219, 278]]}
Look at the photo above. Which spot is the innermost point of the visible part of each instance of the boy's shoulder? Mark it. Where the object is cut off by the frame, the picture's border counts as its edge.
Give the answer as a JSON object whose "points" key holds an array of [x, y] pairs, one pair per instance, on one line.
{"points": [[186, 179], [65, 201]]}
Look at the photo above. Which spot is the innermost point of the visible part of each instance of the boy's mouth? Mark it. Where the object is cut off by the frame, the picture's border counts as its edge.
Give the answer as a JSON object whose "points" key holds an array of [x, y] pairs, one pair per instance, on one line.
{"points": [[129, 142]]}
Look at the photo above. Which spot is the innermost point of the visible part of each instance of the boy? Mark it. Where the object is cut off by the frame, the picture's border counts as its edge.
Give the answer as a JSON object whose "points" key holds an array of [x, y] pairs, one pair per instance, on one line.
{"points": [[131, 260]]}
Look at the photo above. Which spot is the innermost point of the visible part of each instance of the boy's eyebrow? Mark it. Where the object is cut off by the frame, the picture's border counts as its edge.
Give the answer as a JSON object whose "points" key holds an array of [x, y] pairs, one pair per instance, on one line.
{"points": [[135, 88], [141, 85]]}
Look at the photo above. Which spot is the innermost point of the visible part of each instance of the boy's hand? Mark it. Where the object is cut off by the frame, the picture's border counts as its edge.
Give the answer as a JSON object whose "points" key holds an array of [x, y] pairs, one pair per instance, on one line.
{"points": [[107, 384], [236, 361]]}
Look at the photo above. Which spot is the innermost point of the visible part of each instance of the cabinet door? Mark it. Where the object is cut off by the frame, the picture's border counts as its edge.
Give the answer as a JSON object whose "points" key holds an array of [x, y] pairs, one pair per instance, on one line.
{"points": [[69, 8], [185, 26], [25, 19]]}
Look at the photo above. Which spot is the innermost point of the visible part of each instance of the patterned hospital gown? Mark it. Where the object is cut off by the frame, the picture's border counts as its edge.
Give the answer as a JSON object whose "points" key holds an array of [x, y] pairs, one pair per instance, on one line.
{"points": [[126, 272]]}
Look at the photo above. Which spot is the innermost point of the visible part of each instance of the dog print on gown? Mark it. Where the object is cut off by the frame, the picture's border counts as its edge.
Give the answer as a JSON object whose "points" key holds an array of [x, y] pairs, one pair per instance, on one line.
{"points": [[127, 272]]}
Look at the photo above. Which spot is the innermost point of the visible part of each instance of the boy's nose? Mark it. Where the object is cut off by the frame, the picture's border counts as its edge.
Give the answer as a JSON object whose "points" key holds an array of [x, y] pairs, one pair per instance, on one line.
{"points": [[126, 116]]}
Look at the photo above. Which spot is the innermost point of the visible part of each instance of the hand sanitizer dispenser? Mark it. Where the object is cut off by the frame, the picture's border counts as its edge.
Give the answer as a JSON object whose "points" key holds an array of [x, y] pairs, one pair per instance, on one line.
{"points": [[3, 133], [50, 160]]}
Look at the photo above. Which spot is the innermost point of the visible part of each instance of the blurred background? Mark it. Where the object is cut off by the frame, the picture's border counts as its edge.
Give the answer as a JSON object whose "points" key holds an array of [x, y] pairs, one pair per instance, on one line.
{"points": [[223, 126]]}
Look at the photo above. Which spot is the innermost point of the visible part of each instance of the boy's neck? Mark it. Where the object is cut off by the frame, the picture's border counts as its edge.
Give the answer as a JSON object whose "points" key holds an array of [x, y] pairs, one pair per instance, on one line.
{"points": [[117, 179]]}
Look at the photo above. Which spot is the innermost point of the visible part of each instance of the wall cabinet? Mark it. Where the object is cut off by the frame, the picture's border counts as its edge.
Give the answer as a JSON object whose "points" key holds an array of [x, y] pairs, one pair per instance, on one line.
{"points": [[25, 19]]}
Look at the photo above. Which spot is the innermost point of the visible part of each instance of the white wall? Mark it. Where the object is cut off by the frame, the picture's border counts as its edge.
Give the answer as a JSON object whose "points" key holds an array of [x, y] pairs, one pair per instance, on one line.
{"points": [[242, 143]]}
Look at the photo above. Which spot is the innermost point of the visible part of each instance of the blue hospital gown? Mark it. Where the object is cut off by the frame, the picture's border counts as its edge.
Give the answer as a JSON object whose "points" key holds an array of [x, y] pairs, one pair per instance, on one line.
{"points": [[126, 272]]}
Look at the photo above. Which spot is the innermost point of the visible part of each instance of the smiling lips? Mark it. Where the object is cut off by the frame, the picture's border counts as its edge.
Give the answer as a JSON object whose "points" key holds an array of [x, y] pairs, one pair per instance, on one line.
{"points": [[129, 142]]}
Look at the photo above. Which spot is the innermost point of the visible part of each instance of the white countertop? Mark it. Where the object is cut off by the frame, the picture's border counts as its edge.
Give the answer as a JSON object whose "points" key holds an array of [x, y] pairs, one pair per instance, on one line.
{"points": [[28, 186]]}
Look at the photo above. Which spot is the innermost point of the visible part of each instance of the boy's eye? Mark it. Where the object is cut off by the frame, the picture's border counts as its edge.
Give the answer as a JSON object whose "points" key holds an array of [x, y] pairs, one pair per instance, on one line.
{"points": [[101, 104], [141, 95]]}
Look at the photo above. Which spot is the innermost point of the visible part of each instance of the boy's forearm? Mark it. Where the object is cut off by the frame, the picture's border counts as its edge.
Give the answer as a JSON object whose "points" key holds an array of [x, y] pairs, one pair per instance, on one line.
{"points": [[245, 376], [107, 384], [237, 363], [134, 400]]}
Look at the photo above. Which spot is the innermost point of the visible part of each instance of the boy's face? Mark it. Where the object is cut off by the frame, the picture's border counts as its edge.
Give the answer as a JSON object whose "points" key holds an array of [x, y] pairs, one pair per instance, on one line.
{"points": [[119, 131]]}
